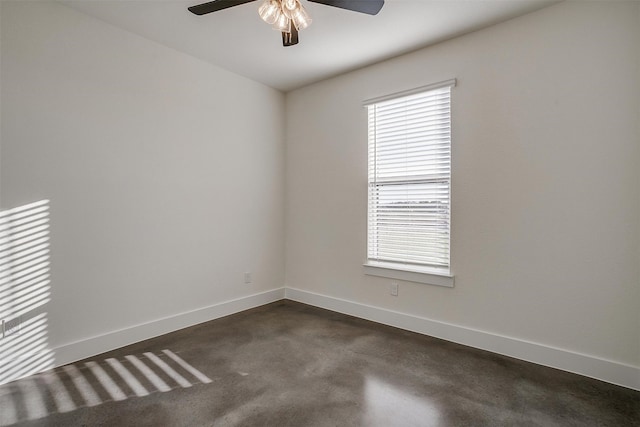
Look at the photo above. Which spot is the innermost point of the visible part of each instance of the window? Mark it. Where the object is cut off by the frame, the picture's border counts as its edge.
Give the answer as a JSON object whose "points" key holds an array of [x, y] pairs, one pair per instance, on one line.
{"points": [[410, 182]]}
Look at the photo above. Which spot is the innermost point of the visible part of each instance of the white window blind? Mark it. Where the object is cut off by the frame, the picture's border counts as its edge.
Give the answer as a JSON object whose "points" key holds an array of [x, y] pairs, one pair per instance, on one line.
{"points": [[410, 178]]}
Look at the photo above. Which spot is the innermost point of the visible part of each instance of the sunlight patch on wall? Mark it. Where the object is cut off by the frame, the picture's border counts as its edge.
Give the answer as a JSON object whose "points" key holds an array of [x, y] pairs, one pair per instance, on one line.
{"points": [[92, 383], [24, 290]]}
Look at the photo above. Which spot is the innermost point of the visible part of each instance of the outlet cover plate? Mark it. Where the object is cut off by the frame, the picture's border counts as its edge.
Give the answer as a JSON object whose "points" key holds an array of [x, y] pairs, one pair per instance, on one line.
{"points": [[394, 289]]}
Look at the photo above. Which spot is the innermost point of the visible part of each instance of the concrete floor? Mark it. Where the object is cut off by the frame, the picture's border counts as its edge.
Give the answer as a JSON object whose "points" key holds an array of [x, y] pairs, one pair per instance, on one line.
{"points": [[288, 364]]}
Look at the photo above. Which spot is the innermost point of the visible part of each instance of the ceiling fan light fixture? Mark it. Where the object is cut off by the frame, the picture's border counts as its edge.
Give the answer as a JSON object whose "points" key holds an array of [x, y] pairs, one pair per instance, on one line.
{"points": [[282, 14], [269, 11]]}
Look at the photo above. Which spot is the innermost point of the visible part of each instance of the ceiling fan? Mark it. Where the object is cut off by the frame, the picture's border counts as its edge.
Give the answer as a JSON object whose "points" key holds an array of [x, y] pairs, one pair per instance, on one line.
{"points": [[288, 16]]}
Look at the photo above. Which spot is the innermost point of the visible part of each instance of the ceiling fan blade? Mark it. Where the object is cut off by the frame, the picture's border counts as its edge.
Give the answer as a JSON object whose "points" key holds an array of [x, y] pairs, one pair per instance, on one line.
{"points": [[370, 7], [216, 5], [290, 39]]}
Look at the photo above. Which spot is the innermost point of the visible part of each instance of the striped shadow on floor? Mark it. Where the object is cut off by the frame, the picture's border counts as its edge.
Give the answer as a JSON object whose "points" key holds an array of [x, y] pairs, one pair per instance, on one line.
{"points": [[93, 383]]}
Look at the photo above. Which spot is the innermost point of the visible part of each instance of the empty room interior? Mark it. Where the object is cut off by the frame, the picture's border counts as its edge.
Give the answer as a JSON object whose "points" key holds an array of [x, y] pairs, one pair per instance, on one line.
{"points": [[320, 213]]}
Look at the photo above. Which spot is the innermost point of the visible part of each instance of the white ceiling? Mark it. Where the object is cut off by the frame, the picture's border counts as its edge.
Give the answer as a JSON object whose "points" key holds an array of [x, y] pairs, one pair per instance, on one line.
{"points": [[338, 40]]}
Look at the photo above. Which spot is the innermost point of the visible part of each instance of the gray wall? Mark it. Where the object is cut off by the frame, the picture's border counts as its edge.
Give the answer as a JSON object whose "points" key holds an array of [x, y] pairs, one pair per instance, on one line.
{"points": [[165, 174], [545, 200]]}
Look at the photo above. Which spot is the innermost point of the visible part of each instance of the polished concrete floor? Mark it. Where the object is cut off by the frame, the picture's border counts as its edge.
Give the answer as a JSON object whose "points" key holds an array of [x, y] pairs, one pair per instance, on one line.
{"points": [[288, 364]]}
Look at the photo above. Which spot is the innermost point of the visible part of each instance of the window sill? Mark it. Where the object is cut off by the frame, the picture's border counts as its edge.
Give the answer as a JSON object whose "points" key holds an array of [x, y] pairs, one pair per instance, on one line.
{"points": [[410, 274]]}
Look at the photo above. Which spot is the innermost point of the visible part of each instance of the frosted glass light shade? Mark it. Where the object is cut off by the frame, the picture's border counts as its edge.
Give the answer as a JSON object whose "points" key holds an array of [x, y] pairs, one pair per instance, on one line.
{"points": [[269, 11], [300, 17], [282, 24]]}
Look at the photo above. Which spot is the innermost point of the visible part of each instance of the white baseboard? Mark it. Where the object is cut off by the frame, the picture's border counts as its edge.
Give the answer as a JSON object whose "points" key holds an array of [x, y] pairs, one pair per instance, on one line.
{"points": [[601, 369], [78, 350], [590, 366]]}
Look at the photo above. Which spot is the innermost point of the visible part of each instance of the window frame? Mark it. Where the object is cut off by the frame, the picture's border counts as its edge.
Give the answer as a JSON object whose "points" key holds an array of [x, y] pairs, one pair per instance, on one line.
{"points": [[420, 273]]}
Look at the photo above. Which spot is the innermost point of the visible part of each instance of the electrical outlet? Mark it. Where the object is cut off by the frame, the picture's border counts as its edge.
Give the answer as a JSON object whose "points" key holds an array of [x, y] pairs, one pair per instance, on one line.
{"points": [[11, 327], [394, 289], [247, 277]]}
